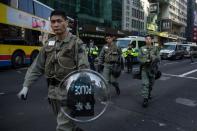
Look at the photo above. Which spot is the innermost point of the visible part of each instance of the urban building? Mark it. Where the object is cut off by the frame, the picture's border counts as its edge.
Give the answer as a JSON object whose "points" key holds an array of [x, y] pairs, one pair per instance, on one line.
{"points": [[95, 17], [134, 16], [171, 19], [191, 30]]}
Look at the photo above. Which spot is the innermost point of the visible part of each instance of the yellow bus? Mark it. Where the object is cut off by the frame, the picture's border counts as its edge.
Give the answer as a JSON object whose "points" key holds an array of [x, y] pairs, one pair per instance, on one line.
{"points": [[22, 31]]}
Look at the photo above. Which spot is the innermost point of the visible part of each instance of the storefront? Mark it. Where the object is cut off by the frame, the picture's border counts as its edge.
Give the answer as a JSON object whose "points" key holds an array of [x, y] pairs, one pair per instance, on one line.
{"points": [[97, 34]]}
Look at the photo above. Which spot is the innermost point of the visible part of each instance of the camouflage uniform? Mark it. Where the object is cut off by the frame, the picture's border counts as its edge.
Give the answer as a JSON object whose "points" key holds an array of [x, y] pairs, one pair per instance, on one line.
{"points": [[109, 55], [56, 60], [146, 56]]}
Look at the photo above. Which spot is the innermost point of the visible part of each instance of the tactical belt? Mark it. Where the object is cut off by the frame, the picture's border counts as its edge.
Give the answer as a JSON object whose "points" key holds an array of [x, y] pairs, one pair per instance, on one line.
{"points": [[53, 81]]}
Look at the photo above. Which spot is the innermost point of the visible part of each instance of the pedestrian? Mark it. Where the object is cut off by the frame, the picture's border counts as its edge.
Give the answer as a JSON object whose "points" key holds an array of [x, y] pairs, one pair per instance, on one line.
{"points": [[60, 55], [130, 54], [148, 54], [109, 56], [92, 54]]}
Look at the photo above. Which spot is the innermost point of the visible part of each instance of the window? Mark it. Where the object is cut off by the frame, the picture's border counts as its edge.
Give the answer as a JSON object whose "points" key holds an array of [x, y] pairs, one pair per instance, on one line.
{"points": [[127, 25], [133, 12], [26, 5], [18, 36], [127, 13], [41, 10], [127, 7], [133, 23], [127, 19], [128, 1]]}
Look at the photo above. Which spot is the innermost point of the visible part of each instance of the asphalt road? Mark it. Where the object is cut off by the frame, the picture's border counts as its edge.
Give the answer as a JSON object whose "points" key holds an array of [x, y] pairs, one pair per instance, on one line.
{"points": [[173, 107]]}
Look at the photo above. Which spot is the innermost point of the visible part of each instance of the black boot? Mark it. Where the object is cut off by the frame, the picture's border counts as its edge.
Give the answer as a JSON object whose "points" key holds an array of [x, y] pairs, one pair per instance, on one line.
{"points": [[116, 85], [145, 103]]}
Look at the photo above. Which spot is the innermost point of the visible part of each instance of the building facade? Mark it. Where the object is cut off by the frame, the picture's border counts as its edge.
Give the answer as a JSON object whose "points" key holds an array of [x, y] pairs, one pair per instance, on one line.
{"points": [[191, 30], [171, 19], [134, 16], [95, 17]]}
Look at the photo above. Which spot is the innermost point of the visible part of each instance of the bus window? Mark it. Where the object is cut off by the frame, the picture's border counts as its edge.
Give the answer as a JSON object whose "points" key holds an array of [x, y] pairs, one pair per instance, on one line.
{"points": [[19, 40], [14, 42]]}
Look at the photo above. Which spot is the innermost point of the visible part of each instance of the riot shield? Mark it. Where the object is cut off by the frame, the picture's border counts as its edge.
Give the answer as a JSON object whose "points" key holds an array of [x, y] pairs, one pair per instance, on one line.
{"points": [[87, 95]]}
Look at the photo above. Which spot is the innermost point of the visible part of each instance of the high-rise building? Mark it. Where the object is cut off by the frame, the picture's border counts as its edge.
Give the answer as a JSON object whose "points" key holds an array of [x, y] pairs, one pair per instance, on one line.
{"points": [[134, 16], [171, 19], [95, 17]]}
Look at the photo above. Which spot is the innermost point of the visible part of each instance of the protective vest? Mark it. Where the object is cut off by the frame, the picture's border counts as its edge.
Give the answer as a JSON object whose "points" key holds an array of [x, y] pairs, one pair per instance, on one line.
{"points": [[135, 53], [124, 53], [61, 61], [131, 52], [112, 54], [93, 51]]}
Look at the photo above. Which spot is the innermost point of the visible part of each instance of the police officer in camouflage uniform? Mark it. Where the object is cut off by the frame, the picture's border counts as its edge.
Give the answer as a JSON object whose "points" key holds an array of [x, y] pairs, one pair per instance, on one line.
{"points": [[109, 54], [60, 55], [147, 55]]}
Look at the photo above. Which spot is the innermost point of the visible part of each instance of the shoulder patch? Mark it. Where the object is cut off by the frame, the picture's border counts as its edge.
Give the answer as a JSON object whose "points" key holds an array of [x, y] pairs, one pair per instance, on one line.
{"points": [[144, 49], [106, 47], [51, 43]]}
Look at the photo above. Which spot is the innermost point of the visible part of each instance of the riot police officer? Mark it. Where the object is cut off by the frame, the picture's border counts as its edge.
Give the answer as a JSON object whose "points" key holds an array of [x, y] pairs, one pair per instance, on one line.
{"points": [[109, 56], [147, 55], [60, 55]]}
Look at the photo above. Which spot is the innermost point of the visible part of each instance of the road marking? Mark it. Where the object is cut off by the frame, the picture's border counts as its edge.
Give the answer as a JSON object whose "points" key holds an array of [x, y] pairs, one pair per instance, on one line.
{"points": [[159, 123], [187, 73], [170, 74], [193, 63], [186, 102], [2, 93], [179, 76], [163, 78], [170, 63]]}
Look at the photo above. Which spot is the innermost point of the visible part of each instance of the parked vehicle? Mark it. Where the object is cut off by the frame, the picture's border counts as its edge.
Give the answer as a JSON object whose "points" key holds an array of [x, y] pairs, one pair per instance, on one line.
{"points": [[172, 50], [193, 50], [136, 42]]}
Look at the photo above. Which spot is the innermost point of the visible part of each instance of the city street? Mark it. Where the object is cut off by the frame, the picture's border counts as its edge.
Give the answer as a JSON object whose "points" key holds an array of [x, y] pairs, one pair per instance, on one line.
{"points": [[173, 107]]}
